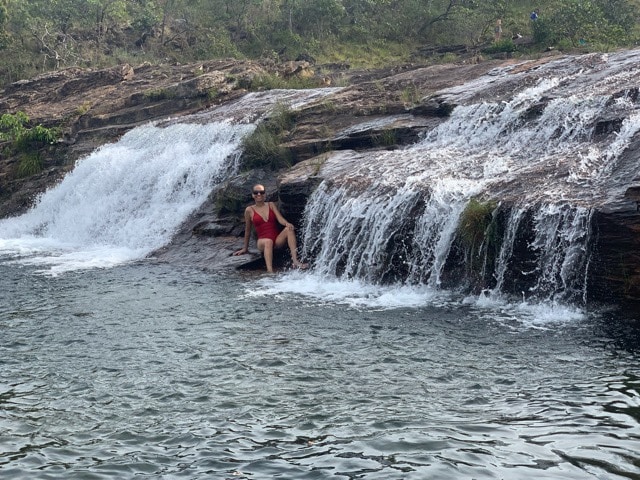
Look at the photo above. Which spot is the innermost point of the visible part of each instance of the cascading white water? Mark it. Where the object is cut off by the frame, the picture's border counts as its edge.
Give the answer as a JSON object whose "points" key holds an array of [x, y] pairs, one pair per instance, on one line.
{"points": [[126, 199], [393, 216], [385, 217], [507, 247], [562, 246]]}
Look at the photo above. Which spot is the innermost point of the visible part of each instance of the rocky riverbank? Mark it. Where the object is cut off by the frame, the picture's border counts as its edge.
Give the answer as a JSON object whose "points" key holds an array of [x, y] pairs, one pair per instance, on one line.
{"points": [[95, 107], [372, 111]]}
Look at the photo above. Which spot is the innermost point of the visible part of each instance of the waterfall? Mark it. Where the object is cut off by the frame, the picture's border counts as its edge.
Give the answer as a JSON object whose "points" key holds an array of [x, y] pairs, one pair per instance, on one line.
{"points": [[127, 198], [496, 199], [507, 247], [561, 242]]}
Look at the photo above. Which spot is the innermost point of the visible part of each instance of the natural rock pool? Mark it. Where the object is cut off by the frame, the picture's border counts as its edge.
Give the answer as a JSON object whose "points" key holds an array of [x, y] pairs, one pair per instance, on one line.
{"points": [[152, 371]]}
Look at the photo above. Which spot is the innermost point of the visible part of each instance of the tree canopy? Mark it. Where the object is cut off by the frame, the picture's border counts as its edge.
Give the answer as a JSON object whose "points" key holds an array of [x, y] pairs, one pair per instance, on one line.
{"points": [[42, 35]]}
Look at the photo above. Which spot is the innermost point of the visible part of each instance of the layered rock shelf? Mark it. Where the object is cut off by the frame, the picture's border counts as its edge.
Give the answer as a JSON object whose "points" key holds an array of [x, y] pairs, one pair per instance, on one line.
{"points": [[375, 111]]}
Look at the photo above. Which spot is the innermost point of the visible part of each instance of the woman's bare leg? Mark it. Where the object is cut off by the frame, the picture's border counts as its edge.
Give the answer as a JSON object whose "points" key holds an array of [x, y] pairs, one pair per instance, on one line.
{"points": [[265, 245], [289, 237]]}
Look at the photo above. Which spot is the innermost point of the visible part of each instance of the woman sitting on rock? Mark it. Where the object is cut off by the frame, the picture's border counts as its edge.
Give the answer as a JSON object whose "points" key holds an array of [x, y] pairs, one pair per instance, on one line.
{"points": [[267, 219]]}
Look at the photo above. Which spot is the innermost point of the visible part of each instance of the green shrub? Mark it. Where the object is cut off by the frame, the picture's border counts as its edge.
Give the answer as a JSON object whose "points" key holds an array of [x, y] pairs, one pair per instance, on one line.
{"points": [[501, 46], [13, 128]]}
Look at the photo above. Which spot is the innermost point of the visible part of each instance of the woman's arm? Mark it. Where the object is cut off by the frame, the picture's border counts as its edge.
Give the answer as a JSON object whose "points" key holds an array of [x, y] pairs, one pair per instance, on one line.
{"points": [[281, 220], [247, 232]]}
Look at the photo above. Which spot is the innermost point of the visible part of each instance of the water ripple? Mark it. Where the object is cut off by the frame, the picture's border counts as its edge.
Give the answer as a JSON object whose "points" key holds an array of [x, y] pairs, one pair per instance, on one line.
{"points": [[96, 383]]}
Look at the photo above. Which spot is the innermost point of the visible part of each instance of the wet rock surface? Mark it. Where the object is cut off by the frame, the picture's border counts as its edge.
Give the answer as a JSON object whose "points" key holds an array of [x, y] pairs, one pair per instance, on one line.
{"points": [[378, 111]]}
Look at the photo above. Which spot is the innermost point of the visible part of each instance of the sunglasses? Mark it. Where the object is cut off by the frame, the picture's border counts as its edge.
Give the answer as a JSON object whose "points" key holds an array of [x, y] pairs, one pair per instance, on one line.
{"points": [[258, 192]]}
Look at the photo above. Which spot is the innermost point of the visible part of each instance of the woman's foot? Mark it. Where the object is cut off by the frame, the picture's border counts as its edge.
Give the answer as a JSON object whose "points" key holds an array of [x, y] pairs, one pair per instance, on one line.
{"points": [[300, 265]]}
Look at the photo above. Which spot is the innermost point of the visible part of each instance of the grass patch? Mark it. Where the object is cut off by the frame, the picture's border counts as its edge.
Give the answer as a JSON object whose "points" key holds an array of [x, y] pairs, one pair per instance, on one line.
{"points": [[479, 237], [474, 222], [269, 81], [263, 148], [157, 94], [82, 109], [29, 164], [373, 54], [386, 138], [410, 96]]}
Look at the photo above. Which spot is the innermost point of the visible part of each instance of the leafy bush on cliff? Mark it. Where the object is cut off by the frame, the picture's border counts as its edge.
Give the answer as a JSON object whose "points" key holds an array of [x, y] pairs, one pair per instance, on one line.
{"points": [[26, 141], [14, 128]]}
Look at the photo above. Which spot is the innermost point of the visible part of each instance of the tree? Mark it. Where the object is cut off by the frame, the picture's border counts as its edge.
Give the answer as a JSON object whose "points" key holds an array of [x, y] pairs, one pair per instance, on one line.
{"points": [[606, 22], [4, 37], [317, 19]]}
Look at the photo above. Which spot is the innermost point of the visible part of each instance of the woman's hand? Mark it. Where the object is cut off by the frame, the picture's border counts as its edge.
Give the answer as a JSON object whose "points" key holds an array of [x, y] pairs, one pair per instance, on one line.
{"points": [[288, 226], [242, 251]]}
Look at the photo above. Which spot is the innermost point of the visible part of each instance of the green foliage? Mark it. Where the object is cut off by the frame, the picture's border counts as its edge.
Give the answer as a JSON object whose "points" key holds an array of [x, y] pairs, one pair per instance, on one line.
{"points": [[578, 23], [501, 46], [36, 136], [82, 109], [29, 164], [371, 54], [14, 128], [282, 119], [212, 93], [41, 35], [410, 96], [474, 222], [272, 82], [263, 147], [4, 38], [479, 236], [156, 94], [316, 19], [27, 141]]}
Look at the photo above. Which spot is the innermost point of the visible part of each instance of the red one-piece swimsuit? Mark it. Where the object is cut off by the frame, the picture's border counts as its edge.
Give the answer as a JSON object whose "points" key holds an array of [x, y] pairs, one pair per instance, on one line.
{"points": [[270, 228]]}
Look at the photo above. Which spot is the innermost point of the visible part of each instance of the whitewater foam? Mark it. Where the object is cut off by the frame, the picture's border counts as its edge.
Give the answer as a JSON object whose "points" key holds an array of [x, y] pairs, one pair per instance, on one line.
{"points": [[359, 295], [125, 199]]}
